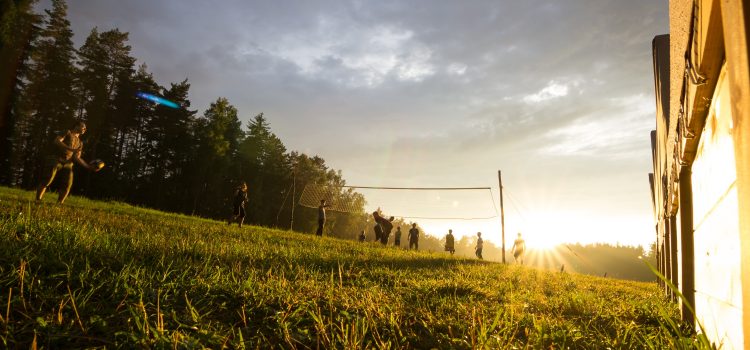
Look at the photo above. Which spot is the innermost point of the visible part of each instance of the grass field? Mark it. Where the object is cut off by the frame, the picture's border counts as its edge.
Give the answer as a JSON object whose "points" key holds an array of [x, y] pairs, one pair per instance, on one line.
{"points": [[97, 274]]}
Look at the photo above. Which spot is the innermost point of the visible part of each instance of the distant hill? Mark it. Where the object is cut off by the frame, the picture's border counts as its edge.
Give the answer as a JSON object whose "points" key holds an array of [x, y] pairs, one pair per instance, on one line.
{"points": [[107, 274]]}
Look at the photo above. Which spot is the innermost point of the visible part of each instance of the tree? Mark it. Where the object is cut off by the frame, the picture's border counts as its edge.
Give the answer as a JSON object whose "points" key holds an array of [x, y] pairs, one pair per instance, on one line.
{"points": [[106, 85], [218, 135], [265, 165], [136, 115], [19, 27], [49, 100], [168, 152]]}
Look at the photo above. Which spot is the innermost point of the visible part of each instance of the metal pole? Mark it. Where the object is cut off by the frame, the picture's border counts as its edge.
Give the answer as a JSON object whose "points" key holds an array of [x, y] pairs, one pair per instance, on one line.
{"points": [[502, 212], [294, 194]]}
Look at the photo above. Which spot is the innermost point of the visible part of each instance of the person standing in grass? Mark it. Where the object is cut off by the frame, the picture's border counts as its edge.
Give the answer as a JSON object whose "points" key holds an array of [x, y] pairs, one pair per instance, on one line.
{"points": [[240, 199], [68, 148], [450, 242], [414, 237], [362, 236], [480, 245], [518, 248], [321, 216], [397, 241]]}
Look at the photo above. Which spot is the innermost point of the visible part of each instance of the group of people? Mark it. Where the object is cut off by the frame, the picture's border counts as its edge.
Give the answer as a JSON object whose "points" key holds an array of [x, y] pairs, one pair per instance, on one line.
{"points": [[519, 246], [68, 149], [450, 244], [383, 228]]}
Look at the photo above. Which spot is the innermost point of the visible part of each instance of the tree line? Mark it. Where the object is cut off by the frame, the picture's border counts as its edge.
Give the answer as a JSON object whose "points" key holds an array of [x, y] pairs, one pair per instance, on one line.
{"points": [[170, 159]]}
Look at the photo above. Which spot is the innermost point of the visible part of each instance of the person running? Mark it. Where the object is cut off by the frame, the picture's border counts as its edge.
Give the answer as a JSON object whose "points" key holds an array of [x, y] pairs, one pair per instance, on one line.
{"points": [[518, 247], [321, 216], [414, 237], [450, 242], [68, 148], [362, 236], [240, 199], [480, 245], [397, 242]]}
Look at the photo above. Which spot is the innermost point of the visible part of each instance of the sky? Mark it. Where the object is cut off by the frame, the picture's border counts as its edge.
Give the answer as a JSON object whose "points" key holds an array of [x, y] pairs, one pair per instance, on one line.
{"points": [[558, 95]]}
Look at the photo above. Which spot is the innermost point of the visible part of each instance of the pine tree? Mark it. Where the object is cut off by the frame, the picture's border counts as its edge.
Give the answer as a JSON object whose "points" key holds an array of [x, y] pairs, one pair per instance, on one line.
{"points": [[49, 99], [219, 133], [265, 165], [177, 157], [19, 26], [107, 92]]}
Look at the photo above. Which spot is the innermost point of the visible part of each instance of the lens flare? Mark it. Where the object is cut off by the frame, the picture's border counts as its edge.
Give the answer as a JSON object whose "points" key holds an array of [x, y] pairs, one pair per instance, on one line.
{"points": [[157, 100]]}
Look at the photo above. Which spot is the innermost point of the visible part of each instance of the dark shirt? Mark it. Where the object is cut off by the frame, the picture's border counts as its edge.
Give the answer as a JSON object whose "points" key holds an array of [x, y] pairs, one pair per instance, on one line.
{"points": [[386, 225], [449, 240], [322, 213], [413, 234]]}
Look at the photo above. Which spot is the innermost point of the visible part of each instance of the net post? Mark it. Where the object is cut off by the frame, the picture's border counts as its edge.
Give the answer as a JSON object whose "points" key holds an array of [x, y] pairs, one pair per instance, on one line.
{"points": [[502, 212]]}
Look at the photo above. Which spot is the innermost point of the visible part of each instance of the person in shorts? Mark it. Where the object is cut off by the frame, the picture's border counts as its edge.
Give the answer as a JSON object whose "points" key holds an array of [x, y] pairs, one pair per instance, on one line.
{"points": [[67, 149]]}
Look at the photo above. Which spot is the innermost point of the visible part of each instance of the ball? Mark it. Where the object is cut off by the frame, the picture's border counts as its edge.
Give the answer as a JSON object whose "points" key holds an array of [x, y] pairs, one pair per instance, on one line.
{"points": [[97, 164]]}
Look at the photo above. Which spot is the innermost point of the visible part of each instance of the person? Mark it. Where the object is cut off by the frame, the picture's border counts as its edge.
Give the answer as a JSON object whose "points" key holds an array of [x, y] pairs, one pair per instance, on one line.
{"points": [[378, 232], [385, 225], [518, 247], [240, 199], [362, 236], [480, 245], [321, 216], [450, 242], [397, 241], [68, 149], [414, 237]]}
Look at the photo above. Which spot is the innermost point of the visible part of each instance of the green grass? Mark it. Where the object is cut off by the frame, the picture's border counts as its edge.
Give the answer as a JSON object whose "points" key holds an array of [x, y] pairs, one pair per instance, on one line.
{"points": [[97, 274]]}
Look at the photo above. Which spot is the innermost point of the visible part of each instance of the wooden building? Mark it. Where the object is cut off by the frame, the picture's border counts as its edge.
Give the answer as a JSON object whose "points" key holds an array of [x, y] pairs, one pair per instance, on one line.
{"points": [[701, 165]]}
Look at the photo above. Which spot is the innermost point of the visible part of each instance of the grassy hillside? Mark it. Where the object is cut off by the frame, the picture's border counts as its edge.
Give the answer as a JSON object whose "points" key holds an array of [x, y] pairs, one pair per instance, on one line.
{"points": [[95, 274]]}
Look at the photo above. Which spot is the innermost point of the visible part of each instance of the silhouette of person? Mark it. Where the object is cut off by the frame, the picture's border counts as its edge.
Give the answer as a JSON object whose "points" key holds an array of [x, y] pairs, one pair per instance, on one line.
{"points": [[362, 236], [397, 241], [518, 248], [378, 232], [450, 242], [385, 225], [480, 245], [68, 148], [321, 216], [414, 237], [240, 199]]}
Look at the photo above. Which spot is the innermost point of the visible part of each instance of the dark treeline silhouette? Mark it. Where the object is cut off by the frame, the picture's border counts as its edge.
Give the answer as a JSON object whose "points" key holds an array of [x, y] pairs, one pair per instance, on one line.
{"points": [[177, 160]]}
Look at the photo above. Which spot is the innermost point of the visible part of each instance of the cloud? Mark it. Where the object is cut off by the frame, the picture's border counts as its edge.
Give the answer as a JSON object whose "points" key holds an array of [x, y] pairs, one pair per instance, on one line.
{"points": [[551, 91]]}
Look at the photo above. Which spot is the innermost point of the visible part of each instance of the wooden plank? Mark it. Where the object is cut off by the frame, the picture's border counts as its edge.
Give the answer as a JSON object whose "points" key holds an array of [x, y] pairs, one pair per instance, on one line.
{"points": [[706, 56], [736, 27], [686, 246], [673, 260]]}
